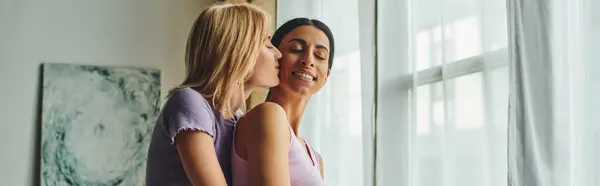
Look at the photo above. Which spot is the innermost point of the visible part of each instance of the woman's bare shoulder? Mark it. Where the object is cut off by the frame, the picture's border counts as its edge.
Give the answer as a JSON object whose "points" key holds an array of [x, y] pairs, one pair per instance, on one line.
{"points": [[265, 116], [268, 107]]}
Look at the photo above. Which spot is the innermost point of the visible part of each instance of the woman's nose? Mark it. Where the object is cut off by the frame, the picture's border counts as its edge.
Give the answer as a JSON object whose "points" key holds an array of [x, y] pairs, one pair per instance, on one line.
{"points": [[308, 62], [278, 54]]}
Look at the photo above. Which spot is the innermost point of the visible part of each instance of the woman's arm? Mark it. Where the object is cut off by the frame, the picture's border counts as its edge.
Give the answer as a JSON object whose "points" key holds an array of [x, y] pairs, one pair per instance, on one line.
{"points": [[267, 146], [189, 122], [198, 157]]}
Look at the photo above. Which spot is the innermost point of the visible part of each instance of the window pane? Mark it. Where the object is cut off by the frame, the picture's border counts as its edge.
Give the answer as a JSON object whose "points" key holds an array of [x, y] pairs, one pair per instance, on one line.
{"points": [[429, 138], [465, 145], [469, 28], [427, 33], [463, 19], [467, 102], [467, 138]]}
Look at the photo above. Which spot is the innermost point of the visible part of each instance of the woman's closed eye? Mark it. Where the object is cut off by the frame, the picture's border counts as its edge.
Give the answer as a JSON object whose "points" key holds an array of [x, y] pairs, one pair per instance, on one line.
{"points": [[297, 50], [320, 56]]}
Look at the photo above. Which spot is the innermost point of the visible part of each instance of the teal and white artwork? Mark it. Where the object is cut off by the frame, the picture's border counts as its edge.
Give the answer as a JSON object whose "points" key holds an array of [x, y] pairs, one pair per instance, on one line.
{"points": [[96, 124]]}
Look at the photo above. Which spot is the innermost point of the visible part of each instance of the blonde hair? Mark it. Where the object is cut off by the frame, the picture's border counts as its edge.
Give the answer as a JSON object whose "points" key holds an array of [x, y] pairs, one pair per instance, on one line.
{"points": [[222, 48]]}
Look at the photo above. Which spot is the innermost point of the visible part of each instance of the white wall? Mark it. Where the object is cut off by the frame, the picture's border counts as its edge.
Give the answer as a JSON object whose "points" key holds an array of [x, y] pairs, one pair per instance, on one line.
{"points": [[149, 33]]}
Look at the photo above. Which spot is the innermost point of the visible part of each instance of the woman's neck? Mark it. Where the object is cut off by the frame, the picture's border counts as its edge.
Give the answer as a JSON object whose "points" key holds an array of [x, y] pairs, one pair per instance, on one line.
{"points": [[293, 104], [239, 99]]}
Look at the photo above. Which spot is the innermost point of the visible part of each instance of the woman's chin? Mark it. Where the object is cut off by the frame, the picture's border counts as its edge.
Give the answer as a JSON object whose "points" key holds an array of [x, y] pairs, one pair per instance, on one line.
{"points": [[302, 90], [296, 87]]}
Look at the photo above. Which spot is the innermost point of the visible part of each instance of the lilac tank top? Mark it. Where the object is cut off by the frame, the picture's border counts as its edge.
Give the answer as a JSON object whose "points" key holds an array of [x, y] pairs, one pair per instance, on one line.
{"points": [[186, 109], [304, 170]]}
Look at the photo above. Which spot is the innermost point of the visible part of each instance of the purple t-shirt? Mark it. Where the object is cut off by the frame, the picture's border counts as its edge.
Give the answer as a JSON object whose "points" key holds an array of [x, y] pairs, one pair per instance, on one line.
{"points": [[186, 109]]}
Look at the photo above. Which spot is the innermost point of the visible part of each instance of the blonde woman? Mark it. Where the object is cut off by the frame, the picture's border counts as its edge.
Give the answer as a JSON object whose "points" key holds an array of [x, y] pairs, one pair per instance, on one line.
{"points": [[228, 54]]}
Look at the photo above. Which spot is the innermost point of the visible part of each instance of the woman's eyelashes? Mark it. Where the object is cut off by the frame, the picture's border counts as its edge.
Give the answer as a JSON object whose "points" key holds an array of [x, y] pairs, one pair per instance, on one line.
{"points": [[300, 51], [320, 56], [296, 50]]}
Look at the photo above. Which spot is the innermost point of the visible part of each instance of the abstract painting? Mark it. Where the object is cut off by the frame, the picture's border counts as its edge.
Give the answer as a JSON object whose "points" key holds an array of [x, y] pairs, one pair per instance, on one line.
{"points": [[96, 124]]}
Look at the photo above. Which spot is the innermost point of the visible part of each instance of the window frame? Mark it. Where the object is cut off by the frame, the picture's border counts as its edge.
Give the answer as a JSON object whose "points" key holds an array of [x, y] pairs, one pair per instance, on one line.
{"points": [[484, 62]]}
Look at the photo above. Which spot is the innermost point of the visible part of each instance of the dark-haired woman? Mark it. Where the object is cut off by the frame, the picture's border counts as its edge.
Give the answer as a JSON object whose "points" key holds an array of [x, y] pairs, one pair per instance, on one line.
{"points": [[267, 149]]}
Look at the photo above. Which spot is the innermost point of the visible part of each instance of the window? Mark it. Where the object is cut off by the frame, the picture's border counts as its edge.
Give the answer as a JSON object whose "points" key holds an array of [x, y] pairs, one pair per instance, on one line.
{"points": [[459, 69], [441, 92]]}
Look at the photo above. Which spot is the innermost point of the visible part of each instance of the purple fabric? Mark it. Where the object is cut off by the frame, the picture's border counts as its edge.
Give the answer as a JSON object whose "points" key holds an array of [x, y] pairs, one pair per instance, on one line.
{"points": [[304, 170], [186, 109]]}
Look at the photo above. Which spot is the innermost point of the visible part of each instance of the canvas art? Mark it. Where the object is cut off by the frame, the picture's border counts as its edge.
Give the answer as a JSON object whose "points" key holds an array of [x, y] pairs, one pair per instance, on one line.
{"points": [[97, 123]]}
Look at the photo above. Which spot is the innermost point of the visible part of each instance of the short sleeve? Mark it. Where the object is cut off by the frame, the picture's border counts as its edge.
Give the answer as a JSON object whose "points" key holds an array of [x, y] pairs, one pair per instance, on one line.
{"points": [[185, 110]]}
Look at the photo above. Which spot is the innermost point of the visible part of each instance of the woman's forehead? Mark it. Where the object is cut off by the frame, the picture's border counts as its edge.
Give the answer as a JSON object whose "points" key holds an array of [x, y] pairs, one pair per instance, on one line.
{"points": [[310, 35]]}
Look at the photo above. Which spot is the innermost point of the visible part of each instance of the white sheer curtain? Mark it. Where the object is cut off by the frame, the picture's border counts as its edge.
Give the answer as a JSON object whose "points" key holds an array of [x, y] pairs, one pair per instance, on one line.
{"points": [[443, 93], [333, 120], [554, 87]]}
